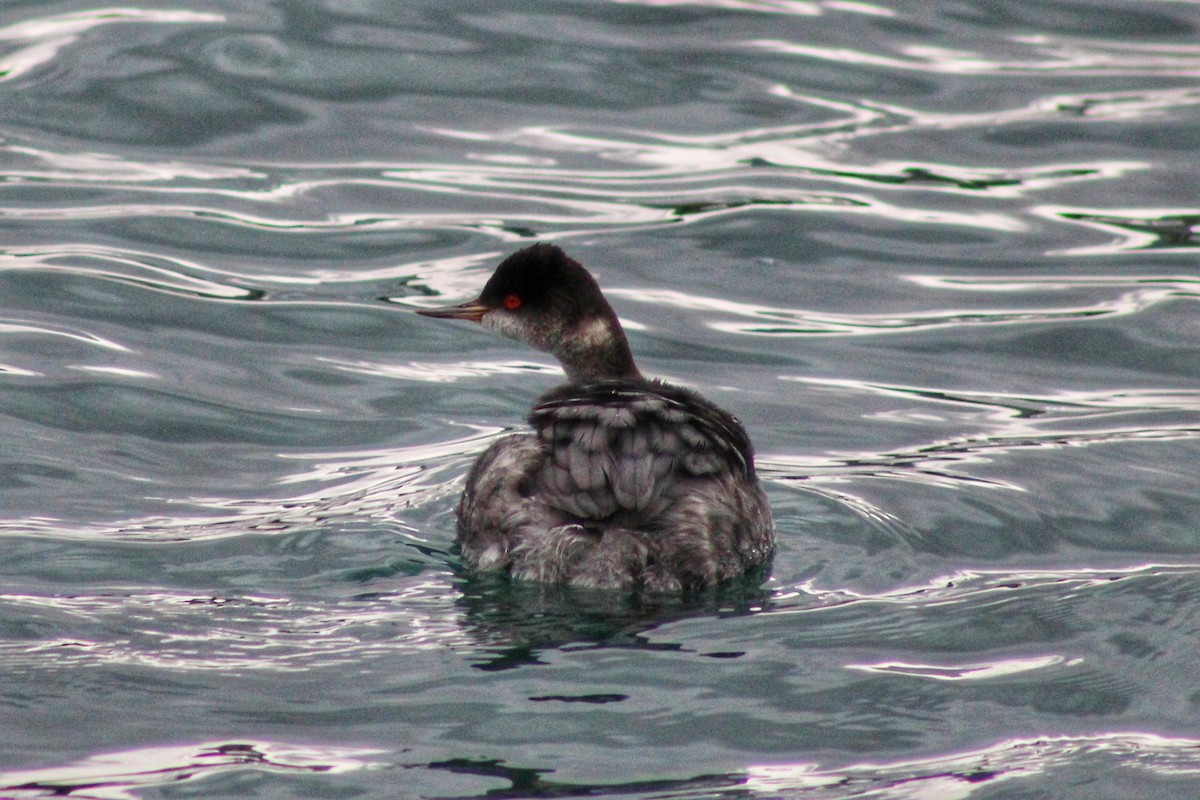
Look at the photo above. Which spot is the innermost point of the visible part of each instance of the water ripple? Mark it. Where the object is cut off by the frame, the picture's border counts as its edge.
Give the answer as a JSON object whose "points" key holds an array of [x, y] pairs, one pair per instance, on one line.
{"points": [[679, 179], [202, 633], [441, 373], [1142, 292], [1155, 230], [1001, 668], [977, 586], [771, 158], [43, 38], [207, 215], [25, 163], [961, 775], [456, 275], [146, 270], [786, 322], [1042, 53], [126, 775], [938, 463], [1004, 407], [802, 8], [352, 487], [12, 328], [1021, 422]]}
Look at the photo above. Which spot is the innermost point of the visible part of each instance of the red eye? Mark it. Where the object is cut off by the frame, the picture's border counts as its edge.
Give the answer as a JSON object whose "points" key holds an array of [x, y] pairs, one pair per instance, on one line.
{"points": [[512, 301]]}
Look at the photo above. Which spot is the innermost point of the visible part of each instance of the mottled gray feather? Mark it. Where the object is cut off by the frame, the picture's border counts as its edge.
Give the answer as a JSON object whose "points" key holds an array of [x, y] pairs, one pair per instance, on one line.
{"points": [[634, 485]]}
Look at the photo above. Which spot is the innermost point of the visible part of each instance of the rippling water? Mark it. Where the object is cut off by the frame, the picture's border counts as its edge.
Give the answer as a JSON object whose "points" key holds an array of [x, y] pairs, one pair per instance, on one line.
{"points": [[940, 257]]}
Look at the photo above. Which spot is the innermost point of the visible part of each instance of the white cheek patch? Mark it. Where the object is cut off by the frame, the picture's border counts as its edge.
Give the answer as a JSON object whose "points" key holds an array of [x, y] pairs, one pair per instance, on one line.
{"points": [[505, 324]]}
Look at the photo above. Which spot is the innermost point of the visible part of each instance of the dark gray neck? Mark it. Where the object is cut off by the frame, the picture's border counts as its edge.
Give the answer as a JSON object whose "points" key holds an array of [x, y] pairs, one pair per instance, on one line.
{"points": [[597, 351]]}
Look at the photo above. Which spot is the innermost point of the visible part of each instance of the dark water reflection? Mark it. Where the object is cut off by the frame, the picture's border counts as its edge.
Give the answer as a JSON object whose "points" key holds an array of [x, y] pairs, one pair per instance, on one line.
{"points": [[938, 257]]}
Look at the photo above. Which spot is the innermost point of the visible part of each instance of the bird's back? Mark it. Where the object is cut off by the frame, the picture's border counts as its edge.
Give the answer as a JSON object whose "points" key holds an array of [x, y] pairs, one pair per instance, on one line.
{"points": [[623, 484]]}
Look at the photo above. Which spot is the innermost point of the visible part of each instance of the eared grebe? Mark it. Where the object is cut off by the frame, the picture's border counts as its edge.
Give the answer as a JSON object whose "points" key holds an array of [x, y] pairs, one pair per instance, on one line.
{"points": [[625, 483]]}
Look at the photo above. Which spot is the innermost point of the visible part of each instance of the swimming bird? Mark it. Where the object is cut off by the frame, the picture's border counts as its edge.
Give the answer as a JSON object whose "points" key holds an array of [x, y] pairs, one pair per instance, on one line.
{"points": [[624, 483]]}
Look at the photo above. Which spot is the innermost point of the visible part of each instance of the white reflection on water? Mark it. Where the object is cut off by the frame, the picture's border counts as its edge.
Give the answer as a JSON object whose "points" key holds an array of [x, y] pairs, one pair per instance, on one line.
{"points": [[1000, 668], [1143, 292], [771, 159], [1177, 285], [455, 276], [144, 269], [201, 633], [351, 486], [82, 168], [90, 339], [1005, 406], [679, 178], [120, 372], [1019, 422], [125, 775], [800, 8], [348, 487], [442, 373], [960, 775], [1163, 230], [976, 584], [941, 463], [45, 37], [1041, 53]]}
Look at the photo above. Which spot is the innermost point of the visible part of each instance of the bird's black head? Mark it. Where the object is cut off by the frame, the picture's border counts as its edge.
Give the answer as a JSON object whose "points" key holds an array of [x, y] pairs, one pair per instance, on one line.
{"points": [[542, 280], [545, 298]]}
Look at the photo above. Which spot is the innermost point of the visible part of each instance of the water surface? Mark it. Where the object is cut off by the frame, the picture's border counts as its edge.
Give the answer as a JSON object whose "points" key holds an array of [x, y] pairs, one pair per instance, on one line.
{"points": [[939, 257]]}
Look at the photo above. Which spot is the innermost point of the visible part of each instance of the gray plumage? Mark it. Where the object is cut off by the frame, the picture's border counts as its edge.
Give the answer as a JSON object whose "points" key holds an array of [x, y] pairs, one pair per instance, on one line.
{"points": [[612, 494], [624, 483]]}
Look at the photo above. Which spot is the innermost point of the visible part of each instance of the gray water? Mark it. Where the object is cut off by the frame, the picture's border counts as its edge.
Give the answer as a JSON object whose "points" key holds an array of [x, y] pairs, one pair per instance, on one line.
{"points": [[940, 257]]}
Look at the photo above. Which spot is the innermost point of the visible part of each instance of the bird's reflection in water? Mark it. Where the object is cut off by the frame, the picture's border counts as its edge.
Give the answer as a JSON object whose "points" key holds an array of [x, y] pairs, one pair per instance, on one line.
{"points": [[515, 622]]}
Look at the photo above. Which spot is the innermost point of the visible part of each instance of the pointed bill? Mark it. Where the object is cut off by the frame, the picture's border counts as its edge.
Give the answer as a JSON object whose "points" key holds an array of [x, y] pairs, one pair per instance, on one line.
{"points": [[473, 310]]}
